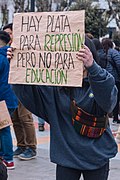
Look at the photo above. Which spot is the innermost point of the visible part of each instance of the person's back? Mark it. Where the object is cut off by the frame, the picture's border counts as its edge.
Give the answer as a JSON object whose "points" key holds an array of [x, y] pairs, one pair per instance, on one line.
{"points": [[101, 53], [113, 63], [102, 58], [113, 59], [113, 67]]}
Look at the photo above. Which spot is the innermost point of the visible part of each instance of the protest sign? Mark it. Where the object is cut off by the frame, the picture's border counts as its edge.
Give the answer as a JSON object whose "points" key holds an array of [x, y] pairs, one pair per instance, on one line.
{"points": [[5, 119], [46, 45]]}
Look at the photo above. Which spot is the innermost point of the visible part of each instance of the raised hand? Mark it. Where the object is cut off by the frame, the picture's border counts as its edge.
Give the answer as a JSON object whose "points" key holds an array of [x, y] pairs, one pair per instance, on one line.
{"points": [[85, 56]]}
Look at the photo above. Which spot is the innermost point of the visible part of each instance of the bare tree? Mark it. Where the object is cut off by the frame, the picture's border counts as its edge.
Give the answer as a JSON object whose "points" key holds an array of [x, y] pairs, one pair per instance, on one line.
{"points": [[42, 5], [5, 14], [22, 5], [114, 11]]}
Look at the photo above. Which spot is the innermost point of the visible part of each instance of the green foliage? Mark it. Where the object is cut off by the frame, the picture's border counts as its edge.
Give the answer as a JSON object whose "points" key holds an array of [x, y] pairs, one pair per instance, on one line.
{"points": [[95, 20]]}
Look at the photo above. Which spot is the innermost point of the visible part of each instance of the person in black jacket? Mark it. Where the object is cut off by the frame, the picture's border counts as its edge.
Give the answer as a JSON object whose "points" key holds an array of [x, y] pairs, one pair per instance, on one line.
{"points": [[101, 53]]}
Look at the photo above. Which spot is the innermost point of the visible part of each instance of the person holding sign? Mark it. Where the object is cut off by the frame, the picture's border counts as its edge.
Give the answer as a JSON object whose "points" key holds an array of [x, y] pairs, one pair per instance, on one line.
{"points": [[81, 139], [6, 94]]}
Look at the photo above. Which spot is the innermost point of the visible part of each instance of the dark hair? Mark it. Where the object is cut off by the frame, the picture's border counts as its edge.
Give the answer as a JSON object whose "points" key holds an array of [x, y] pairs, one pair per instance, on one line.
{"points": [[4, 36], [97, 44], [107, 43], [10, 26], [89, 35], [91, 46]]}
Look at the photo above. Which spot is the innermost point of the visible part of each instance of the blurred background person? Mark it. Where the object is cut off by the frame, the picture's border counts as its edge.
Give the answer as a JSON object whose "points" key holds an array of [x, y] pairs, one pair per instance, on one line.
{"points": [[101, 53], [113, 66]]}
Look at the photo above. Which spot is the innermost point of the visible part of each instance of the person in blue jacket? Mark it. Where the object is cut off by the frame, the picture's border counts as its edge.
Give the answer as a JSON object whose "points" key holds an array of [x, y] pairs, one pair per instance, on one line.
{"points": [[7, 94], [81, 141], [113, 67]]}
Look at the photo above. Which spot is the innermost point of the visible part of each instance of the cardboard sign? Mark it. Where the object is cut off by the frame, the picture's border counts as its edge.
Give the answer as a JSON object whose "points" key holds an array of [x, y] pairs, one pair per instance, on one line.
{"points": [[5, 119], [46, 45]]}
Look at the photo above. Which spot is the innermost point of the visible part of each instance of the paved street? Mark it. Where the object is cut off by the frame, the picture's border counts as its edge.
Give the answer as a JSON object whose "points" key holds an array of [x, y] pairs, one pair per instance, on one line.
{"points": [[42, 169]]}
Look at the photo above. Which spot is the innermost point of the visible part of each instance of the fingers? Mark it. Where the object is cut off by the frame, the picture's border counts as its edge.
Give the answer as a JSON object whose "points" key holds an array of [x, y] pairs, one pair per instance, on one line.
{"points": [[85, 47], [85, 55], [10, 53], [84, 50]]}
